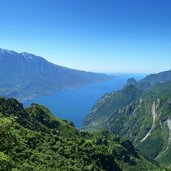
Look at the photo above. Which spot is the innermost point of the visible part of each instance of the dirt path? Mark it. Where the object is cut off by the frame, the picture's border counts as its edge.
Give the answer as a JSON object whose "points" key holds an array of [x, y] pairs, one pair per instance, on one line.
{"points": [[154, 115], [169, 126]]}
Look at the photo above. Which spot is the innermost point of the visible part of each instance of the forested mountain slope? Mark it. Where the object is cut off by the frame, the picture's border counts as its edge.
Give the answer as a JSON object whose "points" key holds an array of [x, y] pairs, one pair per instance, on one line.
{"points": [[25, 75], [109, 104], [34, 139], [146, 121]]}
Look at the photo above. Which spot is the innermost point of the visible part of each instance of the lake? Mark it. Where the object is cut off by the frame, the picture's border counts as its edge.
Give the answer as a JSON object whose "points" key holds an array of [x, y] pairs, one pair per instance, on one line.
{"points": [[74, 104]]}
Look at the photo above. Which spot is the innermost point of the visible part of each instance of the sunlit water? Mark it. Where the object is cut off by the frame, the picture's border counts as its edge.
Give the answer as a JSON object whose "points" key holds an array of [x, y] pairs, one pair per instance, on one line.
{"points": [[74, 104]]}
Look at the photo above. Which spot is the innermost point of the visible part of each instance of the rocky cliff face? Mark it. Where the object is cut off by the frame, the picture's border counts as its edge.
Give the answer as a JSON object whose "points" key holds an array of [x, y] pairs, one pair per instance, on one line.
{"points": [[146, 123], [109, 104], [145, 120]]}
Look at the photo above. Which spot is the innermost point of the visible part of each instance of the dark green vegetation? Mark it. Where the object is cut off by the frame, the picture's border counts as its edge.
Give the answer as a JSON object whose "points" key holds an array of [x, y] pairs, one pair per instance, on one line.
{"points": [[34, 139], [25, 75], [109, 104], [144, 116], [147, 123]]}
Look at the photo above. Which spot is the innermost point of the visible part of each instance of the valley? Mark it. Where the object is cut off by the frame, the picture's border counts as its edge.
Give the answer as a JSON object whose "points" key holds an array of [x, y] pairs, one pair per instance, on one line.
{"points": [[137, 109], [85, 85], [80, 99]]}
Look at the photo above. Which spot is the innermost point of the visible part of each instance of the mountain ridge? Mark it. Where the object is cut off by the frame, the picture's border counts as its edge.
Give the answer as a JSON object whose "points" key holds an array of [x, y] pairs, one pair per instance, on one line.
{"points": [[144, 84], [114, 101], [151, 80], [144, 120], [25, 75]]}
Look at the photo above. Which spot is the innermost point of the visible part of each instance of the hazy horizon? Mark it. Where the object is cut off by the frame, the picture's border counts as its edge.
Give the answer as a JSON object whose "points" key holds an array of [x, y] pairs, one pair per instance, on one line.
{"points": [[107, 73], [98, 36]]}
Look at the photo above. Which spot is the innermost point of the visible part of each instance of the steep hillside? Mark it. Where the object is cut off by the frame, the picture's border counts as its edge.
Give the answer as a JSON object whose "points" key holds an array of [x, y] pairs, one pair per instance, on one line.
{"points": [[109, 104], [151, 80], [25, 75], [33, 139], [146, 121]]}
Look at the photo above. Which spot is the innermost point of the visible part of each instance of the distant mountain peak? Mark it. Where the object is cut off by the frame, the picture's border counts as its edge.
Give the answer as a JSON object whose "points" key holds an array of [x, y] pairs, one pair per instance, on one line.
{"points": [[27, 55], [4, 51], [131, 81], [26, 75]]}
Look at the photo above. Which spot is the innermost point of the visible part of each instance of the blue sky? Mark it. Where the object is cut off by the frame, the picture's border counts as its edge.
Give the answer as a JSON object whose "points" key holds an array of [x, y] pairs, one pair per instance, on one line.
{"points": [[129, 36]]}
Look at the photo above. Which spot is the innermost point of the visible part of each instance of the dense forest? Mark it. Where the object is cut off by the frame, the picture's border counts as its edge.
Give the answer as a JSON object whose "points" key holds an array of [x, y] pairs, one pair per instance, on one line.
{"points": [[34, 139]]}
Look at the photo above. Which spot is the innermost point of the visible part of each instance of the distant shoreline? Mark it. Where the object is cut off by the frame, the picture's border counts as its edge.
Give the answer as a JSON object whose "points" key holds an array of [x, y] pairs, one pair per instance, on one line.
{"points": [[31, 97]]}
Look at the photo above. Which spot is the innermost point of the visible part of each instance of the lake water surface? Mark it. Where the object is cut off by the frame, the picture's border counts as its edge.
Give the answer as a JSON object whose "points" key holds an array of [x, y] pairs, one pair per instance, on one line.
{"points": [[74, 104]]}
